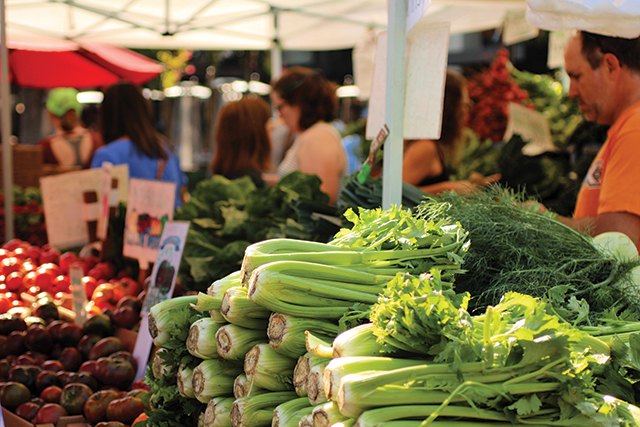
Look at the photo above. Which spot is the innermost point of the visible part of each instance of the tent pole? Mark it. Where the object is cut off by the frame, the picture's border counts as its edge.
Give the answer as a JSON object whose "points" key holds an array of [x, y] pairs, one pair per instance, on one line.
{"points": [[276, 47], [5, 124], [394, 100]]}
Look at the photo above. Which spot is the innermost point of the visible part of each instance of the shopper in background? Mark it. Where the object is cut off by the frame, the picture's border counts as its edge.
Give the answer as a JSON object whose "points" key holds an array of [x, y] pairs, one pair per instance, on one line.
{"points": [[426, 163], [130, 138], [72, 145], [307, 102], [604, 77], [242, 145]]}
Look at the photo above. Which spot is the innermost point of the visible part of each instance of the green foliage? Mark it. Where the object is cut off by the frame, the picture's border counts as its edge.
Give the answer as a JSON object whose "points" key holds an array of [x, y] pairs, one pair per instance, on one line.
{"points": [[515, 248], [226, 216]]}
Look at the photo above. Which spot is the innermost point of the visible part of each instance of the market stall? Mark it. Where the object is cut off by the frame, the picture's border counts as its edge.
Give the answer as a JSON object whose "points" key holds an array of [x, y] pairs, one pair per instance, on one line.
{"points": [[462, 310]]}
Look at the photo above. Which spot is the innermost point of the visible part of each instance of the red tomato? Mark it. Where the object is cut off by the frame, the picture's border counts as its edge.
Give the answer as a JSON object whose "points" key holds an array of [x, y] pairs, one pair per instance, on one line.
{"points": [[92, 309], [12, 244], [12, 296], [27, 266], [5, 304], [51, 255], [66, 260], [90, 284], [20, 253], [126, 286], [14, 282], [9, 265], [5, 253], [33, 253], [18, 303], [29, 279], [61, 283], [33, 290], [44, 279], [55, 270]]}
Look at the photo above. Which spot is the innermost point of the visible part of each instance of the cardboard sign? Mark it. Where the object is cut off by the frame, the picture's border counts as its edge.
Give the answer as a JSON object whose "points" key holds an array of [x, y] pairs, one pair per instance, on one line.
{"points": [[62, 199], [78, 292], [427, 54], [557, 43], [150, 206], [163, 281], [532, 126]]}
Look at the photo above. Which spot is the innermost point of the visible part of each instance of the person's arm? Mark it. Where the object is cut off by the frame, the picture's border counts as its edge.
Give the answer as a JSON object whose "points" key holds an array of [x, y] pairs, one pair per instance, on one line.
{"points": [[321, 155], [475, 181], [623, 222], [420, 160]]}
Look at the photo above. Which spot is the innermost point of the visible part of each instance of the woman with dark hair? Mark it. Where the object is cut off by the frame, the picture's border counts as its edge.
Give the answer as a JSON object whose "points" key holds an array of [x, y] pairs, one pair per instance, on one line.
{"points": [[130, 138], [306, 102], [426, 163], [242, 144]]}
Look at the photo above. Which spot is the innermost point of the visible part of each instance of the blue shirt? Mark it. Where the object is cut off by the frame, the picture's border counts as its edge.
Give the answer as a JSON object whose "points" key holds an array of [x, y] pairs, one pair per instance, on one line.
{"points": [[124, 151]]}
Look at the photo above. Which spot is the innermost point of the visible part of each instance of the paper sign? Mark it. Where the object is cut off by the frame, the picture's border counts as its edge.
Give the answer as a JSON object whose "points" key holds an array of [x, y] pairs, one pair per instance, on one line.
{"points": [[165, 269], [105, 194], [427, 54], [163, 280], [517, 29], [416, 10], [150, 206], [557, 43], [78, 292], [63, 203], [532, 126]]}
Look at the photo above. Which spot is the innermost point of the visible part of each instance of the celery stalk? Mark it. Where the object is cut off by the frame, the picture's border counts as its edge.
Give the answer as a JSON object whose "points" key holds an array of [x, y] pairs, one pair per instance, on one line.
{"points": [[286, 412], [315, 386], [306, 421], [267, 299], [239, 310], [184, 377], [233, 341], [327, 414], [358, 341], [287, 333], [317, 346], [243, 387], [269, 369], [374, 417], [302, 370], [257, 411], [217, 290], [201, 341], [217, 412], [162, 318], [213, 378], [206, 302]]}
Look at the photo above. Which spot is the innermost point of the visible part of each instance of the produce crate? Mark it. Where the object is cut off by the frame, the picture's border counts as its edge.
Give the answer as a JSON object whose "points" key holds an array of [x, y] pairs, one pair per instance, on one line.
{"points": [[27, 165], [12, 420]]}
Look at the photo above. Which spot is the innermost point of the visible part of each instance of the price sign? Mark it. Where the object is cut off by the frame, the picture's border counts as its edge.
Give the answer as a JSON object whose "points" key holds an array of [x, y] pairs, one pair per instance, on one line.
{"points": [[416, 10], [532, 126], [163, 280], [150, 206]]}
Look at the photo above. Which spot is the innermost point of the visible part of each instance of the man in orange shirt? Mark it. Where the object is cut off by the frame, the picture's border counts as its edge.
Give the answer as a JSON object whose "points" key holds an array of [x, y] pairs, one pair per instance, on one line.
{"points": [[605, 79]]}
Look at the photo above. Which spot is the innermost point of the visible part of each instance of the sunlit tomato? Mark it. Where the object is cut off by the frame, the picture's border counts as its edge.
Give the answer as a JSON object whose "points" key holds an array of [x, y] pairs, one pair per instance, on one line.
{"points": [[18, 303], [126, 286], [61, 283], [9, 265], [29, 279], [33, 253], [5, 253], [3, 287], [5, 304], [90, 285], [51, 255], [14, 282], [104, 297], [91, 308], [44, 279], [66, 260], [55, 270], [89, 262], [20, 253], [27, 266], [12, 244]]}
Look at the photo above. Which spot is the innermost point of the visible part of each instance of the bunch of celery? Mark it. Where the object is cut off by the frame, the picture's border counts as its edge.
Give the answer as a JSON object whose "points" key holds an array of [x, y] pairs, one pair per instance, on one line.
{"points": [[325, 281], [515, 363]]}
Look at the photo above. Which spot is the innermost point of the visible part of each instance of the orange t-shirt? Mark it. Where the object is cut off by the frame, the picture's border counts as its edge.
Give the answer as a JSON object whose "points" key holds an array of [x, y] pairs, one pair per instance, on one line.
{"points": [[612, 183]]}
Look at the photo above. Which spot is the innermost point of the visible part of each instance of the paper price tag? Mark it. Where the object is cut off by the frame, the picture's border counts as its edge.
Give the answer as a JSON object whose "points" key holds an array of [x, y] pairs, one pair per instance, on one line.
{"points": [[416, 10], [78, 292], [532, 126], [105, 195]]}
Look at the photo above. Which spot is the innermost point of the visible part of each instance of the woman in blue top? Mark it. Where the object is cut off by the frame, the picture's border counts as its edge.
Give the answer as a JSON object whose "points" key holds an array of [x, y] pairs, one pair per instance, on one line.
{"points": [[130, 138]]}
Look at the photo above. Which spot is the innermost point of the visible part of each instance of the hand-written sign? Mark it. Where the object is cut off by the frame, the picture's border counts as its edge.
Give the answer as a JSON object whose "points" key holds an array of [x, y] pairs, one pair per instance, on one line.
{"points": [[150, 206]]}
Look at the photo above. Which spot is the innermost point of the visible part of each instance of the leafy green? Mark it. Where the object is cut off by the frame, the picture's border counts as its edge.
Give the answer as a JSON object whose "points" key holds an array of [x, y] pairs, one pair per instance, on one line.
{"points": [[226, 216]]}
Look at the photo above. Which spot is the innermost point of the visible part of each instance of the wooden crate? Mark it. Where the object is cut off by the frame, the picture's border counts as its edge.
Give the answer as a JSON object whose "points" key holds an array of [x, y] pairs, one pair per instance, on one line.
{"points": [[27, 165]]}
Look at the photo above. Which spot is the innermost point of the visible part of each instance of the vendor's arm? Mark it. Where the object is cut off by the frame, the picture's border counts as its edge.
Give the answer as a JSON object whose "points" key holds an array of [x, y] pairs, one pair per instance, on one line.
{"points": [[623, 222], [322, 155]]}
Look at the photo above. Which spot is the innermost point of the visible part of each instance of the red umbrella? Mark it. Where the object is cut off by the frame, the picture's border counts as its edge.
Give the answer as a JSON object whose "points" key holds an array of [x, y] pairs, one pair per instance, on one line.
{"points": [[47, 64]]}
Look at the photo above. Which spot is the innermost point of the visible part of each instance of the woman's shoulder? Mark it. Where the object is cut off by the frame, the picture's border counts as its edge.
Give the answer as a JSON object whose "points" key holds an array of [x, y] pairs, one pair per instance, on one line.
{"points": [[421, 146]]}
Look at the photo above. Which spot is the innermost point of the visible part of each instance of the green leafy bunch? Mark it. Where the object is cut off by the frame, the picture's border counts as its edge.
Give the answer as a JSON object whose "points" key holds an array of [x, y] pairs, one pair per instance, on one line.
{"points": [[413, 312]]}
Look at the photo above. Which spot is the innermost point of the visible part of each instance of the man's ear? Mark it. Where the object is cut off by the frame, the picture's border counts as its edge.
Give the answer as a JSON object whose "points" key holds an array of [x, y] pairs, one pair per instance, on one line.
{"points": [[611, 64]]}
